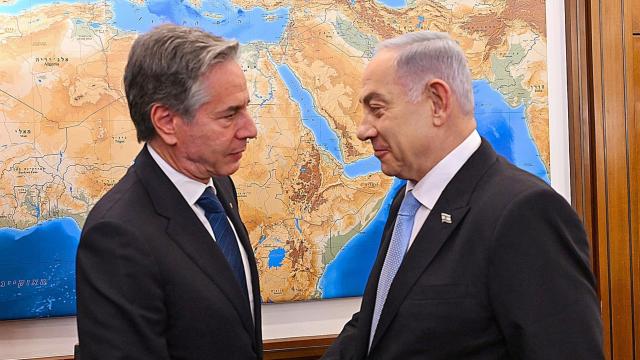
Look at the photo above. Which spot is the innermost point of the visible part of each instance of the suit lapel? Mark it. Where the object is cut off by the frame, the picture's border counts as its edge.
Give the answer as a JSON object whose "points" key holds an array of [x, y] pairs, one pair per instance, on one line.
{"points": [[369, 296], [429, 240], [225, 194], [454, 204], [231, 208], [186, 230]]}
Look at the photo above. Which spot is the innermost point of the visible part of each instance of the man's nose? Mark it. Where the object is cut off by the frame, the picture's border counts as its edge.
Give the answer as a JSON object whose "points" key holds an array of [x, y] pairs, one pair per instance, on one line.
{"points": [[365, 130], [248, 130]]}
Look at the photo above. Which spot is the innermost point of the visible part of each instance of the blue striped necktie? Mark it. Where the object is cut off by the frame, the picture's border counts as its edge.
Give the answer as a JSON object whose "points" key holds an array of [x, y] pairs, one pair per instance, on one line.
{"points": [[397, 248], [225, 237]]}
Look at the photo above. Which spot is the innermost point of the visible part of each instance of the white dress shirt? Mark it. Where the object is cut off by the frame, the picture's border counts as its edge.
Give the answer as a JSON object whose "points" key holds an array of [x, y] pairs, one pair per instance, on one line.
{"points": [[428, 189], [191, 190]]}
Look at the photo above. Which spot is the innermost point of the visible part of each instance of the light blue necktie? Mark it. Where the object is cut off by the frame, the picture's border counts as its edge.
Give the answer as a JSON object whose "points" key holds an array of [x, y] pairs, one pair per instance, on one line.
{"points": [[395, 254]]}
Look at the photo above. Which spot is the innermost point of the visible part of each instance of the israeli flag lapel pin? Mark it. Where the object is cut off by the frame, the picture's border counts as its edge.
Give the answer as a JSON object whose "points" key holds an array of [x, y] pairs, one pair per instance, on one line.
{"points": [[445, 218]]}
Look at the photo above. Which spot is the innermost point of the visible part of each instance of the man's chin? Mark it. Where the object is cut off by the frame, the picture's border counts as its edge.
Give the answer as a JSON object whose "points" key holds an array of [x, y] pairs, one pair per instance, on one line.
{"points": [[389, 170], [232, 168], [227, 170]]}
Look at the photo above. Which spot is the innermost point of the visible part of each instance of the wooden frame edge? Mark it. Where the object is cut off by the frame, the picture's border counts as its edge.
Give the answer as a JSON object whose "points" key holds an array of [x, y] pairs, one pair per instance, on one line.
{"points": [[304, 347], [300, 348], [583, 171]]}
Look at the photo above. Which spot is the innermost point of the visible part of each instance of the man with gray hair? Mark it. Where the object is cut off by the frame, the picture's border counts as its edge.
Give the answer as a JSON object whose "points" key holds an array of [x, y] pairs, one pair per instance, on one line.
{"points": [[165, 269], [478, 259]]}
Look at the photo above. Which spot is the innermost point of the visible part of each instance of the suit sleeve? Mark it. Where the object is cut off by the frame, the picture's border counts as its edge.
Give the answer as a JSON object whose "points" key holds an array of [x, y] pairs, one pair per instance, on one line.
{"points": [[541, 286], [119, 296], [344, 345]]}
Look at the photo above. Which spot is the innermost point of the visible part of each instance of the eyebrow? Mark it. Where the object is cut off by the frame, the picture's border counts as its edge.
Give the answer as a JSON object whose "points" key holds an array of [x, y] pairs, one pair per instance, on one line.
{"points": [[372, 96], [234, 108]]}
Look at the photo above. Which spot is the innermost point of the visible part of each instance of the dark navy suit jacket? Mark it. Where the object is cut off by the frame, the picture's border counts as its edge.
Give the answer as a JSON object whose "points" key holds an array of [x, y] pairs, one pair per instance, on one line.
{"points": [[508, 278], [152, 284]]}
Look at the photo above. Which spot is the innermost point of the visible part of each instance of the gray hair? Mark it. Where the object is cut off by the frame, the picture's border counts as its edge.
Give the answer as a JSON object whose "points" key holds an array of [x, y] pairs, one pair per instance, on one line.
{"points": [[426, 55], [166, 66]]}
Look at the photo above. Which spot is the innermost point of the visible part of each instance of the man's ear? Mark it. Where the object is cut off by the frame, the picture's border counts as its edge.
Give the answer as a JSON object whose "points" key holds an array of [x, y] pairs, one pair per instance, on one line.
{"points": [[163, 120], [440, 94]]}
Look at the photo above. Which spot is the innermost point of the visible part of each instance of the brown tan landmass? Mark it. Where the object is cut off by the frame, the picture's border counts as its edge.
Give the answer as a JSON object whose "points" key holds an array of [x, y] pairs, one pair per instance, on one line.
{"points": [[538, 110], [266, 4], [332, 79], [494, 24], [68, 132], [491, 26], [532, 12], [285, 176], [538, 121]]}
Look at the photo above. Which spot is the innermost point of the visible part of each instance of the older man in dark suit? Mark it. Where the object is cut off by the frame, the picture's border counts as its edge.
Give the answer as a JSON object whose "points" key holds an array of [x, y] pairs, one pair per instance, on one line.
{"points": [[165, 269], [479, 259]]}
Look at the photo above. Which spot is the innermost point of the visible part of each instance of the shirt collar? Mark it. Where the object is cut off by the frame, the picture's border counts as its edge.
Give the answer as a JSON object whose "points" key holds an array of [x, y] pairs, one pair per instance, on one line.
{"points": [[429, 188], [190, 189]]}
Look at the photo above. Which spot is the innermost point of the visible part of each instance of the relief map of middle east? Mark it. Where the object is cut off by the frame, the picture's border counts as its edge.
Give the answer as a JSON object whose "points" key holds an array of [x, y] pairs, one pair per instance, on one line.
{"points": [[311, 194]]}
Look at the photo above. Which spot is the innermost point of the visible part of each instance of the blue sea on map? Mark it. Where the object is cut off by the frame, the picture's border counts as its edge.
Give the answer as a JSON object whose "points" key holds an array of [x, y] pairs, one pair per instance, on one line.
{"points": [[219, 17], [506, 129], [22, 5], [362, 167], [324, 136], [397, 4], [37, 269]]}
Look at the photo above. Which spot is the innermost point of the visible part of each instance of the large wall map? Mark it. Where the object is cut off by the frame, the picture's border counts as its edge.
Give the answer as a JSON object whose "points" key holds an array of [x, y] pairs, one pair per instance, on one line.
{"points": [[312, 196]]}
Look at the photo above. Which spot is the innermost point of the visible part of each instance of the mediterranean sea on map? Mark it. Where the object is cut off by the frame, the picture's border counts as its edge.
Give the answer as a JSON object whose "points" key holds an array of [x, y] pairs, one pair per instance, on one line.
{"points": [[312, 196]]}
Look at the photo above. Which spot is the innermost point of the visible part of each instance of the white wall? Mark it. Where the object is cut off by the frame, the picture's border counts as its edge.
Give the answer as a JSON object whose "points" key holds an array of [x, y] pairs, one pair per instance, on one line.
{"points": [[54, 337], [558, 113]]}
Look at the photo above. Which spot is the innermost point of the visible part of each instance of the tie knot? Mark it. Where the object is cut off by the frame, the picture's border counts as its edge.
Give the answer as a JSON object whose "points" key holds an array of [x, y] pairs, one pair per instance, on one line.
{"points": [[209, 202], [409, 205]]}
